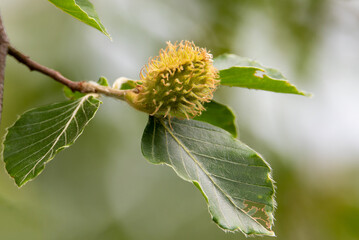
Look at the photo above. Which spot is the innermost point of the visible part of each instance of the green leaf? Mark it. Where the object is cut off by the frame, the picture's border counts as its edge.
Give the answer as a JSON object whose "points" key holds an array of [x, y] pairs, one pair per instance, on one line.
{"points": [[83, 10], [219, 115], [72, 95], [129, 84], [103, 81], [39, 134], [234, 179], [238, 71]]}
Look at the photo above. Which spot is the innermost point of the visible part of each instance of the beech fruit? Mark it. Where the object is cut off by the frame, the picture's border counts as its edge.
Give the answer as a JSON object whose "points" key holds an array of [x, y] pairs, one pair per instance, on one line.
{"points": [[176, 83]]}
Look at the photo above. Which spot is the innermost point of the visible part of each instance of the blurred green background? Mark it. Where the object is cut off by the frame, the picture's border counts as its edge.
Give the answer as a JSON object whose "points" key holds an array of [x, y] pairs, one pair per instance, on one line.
{"points": [[103, 189]]}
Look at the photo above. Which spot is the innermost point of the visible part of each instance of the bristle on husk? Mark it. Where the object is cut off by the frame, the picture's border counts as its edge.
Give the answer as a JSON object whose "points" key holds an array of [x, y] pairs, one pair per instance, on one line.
{"points": [[176, 83]]}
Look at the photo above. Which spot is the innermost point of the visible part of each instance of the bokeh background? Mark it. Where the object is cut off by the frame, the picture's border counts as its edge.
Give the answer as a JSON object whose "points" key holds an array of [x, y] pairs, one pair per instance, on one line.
{"points": [[103, 189]]}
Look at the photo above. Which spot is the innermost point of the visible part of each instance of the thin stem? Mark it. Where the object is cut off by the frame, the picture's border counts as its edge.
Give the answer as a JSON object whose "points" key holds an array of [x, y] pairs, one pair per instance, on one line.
{"points": [[34, 66], [84, 87]]}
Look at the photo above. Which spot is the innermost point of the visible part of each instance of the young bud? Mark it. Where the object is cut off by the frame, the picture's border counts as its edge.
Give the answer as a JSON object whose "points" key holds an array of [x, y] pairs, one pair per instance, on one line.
{"points": [[176, 83]]}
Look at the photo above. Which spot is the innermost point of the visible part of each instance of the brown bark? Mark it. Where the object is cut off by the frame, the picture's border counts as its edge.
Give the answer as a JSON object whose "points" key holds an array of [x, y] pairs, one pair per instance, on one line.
{"points": [[4, 44]]}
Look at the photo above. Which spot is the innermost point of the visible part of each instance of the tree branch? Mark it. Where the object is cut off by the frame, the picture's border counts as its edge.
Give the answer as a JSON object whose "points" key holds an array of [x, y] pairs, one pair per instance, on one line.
{"points": [[84, 87], [4, 44], [34, 66]]}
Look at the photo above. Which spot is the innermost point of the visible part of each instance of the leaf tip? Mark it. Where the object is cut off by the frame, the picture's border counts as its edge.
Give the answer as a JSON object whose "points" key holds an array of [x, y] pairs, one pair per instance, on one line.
{"points": [[107, 34], [306, 94]]}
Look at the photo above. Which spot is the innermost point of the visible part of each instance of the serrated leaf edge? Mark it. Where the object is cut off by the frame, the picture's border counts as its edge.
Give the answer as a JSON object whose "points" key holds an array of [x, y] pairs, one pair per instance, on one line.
{"points": [[21, 183], [197, 184]]}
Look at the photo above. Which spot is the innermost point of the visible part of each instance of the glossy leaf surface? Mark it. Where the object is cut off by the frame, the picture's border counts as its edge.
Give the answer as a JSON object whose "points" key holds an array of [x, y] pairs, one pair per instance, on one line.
{"points": [[238, 71], [219, 115], [82, 10], [39, 134], [233, 178]]}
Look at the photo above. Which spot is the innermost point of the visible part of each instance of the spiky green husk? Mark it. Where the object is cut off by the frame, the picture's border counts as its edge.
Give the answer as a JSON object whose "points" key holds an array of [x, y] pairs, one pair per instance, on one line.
{"points": [[177, 82]]}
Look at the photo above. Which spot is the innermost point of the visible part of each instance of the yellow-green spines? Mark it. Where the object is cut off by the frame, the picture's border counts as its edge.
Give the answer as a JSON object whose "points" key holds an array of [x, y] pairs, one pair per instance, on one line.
{"points": [[177, 82]]}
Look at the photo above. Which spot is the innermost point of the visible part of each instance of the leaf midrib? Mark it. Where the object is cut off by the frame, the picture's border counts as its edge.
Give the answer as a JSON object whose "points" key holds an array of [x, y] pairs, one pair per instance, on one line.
{"points": [[207, 174], [57, 139]]}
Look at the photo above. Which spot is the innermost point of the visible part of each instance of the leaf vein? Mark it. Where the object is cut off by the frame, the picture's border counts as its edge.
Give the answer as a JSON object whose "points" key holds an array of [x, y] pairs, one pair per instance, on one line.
{"points": [[237, 181], [47, 120], [207, 174], [57, 139], [198, 140], [227, 161]]}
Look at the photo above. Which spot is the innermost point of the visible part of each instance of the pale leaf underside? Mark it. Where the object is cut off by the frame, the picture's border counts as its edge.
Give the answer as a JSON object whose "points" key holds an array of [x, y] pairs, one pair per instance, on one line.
{"points": [[234, 179]]}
